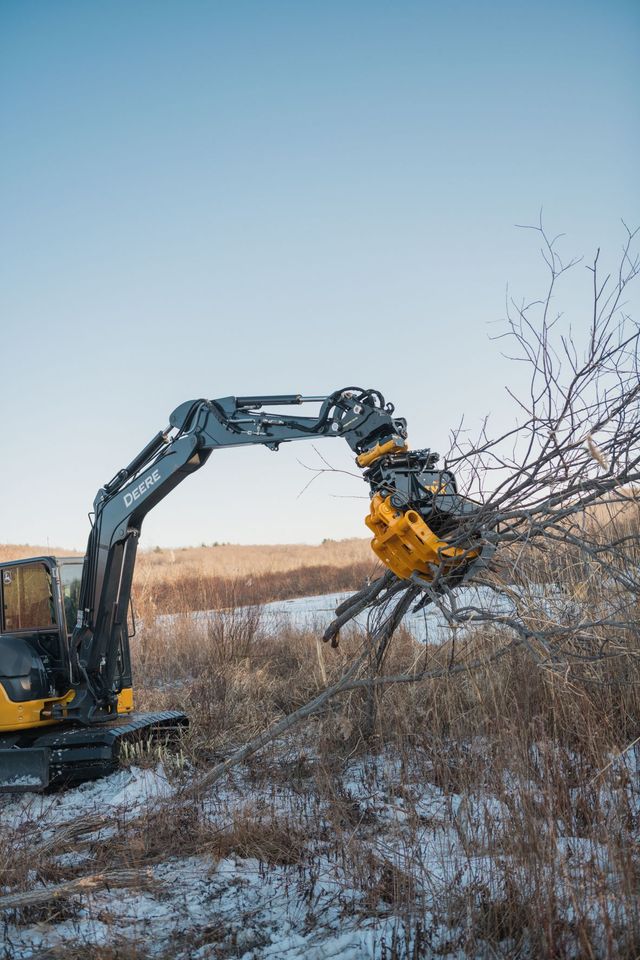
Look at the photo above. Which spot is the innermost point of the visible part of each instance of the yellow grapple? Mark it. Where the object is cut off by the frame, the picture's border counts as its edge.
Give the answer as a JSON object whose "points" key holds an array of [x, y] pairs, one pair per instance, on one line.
{"points": [[395, 445], [407, 545]]}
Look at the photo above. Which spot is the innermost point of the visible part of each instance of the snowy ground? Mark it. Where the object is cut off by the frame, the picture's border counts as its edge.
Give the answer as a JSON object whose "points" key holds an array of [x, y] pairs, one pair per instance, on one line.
{"points": [[244, 907], [388, 863], [414, 841], [428, 624]]}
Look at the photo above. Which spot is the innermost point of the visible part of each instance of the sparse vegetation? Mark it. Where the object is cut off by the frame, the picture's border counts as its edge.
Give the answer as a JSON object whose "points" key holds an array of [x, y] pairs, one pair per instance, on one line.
{"points": [[231, 560], [493, 812], [186, 592]]}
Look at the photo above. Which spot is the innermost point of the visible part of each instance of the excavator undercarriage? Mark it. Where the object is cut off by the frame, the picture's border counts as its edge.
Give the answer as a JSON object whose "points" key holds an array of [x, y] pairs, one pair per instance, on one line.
{"points": [[66, 692], [65, 755]]}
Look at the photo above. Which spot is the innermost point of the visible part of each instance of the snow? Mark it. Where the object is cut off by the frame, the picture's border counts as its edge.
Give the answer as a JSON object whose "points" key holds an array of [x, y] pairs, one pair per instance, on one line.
{"points": [[311, 910], [126, 791], [316, 612], [18, 782], [317, 907]]}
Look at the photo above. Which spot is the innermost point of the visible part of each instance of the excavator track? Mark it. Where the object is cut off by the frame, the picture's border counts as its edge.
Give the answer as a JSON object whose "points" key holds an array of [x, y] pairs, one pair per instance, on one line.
{"points": [[66, 755]]}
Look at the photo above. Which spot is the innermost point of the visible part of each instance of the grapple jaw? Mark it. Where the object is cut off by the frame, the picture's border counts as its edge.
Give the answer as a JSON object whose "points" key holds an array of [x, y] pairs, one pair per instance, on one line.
{"points": [[417, 519]]}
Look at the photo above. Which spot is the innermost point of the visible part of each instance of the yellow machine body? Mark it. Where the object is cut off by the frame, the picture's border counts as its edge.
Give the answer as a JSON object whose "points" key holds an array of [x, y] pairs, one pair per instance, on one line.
{"points": [[407, 545], [37, 713], [381, 450]]}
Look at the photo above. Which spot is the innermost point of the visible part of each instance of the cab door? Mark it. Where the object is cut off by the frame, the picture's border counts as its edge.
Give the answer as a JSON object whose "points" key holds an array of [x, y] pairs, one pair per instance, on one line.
{"points": [[31, 610]]}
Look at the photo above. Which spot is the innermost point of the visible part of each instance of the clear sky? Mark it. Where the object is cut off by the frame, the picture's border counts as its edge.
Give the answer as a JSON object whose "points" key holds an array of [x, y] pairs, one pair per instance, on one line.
{"points": [[212, 198]]}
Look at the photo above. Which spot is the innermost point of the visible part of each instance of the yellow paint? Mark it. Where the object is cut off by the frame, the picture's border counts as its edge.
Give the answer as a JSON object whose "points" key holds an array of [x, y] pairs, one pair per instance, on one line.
{"points": [[125, 700], [391, 446], [406, 544], [24, 716], [33, 713], [436, 488]]}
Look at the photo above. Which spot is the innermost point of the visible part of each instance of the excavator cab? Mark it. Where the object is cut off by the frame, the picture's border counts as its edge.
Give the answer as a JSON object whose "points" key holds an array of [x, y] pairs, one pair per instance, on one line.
{"points": [[38, 612], [34, 635], [34, 655]]}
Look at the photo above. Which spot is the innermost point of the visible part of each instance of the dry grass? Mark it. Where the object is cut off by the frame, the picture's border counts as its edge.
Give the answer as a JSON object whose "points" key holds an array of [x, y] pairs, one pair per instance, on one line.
{"points": [[519, 771], [534, 773], [237, 560], [229, 575], [22, 551], [221, 560], [184, 593], [491, 813]]}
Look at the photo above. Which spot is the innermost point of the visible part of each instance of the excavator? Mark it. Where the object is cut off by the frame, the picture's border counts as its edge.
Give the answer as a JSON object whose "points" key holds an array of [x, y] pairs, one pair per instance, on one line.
{"points": [[66, 690]]}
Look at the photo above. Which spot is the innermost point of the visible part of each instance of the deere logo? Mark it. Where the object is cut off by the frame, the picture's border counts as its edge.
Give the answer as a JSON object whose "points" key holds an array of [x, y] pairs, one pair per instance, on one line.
{"points": [[141, 488]]}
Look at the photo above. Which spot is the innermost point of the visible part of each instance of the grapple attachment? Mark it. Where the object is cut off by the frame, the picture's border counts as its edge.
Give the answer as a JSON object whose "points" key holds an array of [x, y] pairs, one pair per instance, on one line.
{"points": [[407, 545], [417, 517]]}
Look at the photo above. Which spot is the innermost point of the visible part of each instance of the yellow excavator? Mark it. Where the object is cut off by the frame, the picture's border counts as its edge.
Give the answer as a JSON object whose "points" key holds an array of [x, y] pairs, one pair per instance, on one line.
{"points": [[66, 691]]}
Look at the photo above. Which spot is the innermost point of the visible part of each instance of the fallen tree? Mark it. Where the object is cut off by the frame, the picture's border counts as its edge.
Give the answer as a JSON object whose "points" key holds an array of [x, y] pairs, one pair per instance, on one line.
{"points": [[558, 493]]}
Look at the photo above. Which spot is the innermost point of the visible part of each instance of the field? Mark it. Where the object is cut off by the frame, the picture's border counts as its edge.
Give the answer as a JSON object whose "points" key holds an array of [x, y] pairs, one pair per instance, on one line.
{"points": [[485, 813], [195, 578], [222, 559]]}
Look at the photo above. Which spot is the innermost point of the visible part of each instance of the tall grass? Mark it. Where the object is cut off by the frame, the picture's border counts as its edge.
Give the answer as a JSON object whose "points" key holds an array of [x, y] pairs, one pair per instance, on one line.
{"points": [[493, 812], [184, 592], [221, 559], [236, 560], [538, 768]]}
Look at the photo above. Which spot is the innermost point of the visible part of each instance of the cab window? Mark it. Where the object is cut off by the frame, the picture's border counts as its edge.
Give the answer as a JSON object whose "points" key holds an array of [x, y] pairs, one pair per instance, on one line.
{"points": [[71, 575], [27, 597]]}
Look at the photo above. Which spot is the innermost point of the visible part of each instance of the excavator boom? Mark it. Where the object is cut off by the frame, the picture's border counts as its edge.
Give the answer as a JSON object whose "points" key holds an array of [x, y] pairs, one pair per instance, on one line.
{"points": [[66, 703]]}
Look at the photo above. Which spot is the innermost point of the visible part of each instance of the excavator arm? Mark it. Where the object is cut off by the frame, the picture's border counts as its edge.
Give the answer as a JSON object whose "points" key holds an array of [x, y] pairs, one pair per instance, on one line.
{"points": [[72, 714], [406, 490]]}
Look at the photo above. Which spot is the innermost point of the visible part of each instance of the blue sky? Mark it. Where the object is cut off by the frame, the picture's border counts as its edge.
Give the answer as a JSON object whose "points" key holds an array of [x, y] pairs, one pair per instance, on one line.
{"points": [[211, 198]]}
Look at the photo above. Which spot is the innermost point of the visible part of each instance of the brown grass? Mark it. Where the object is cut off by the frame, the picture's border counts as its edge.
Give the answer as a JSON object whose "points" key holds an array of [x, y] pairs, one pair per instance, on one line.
{"points": [[554, 752], [534, 774], [229, 575], [22, 551], [221, 560], [188, 592], [548, 752], [235, 560]]}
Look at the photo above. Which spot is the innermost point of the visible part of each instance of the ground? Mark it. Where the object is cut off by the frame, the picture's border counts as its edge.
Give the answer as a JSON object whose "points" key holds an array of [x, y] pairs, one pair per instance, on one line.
{"points": [[328, 846]]}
